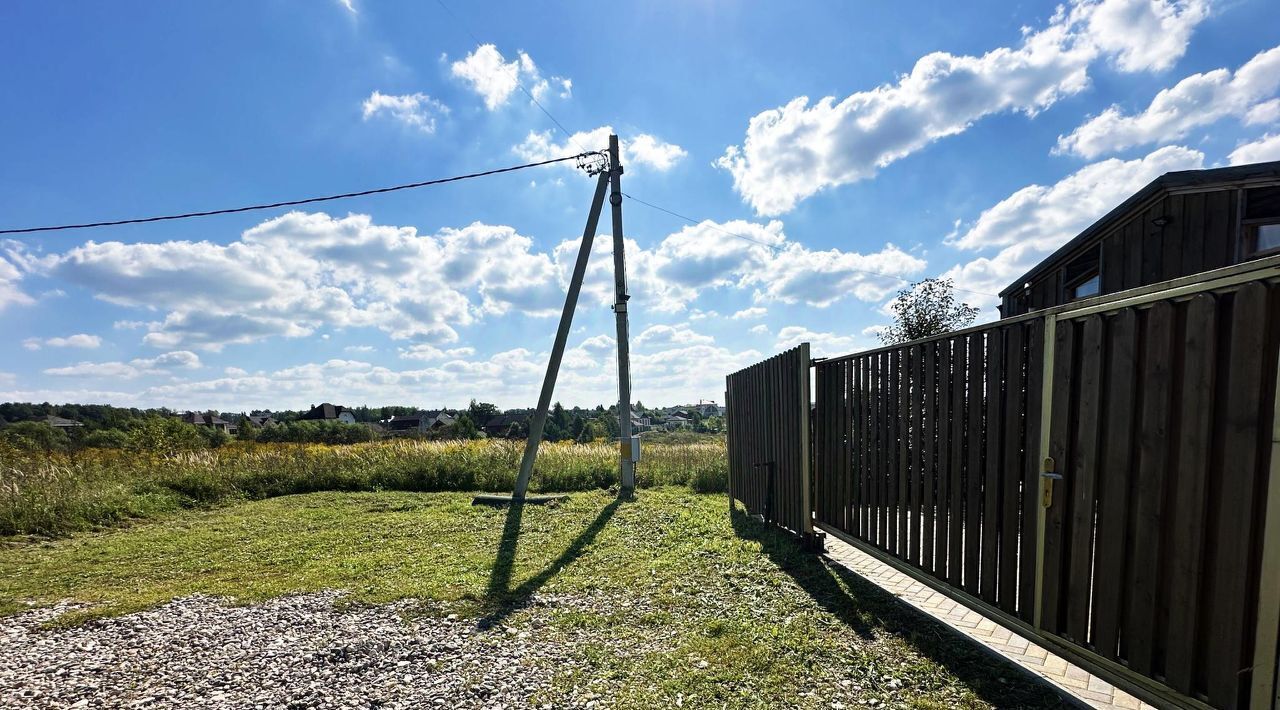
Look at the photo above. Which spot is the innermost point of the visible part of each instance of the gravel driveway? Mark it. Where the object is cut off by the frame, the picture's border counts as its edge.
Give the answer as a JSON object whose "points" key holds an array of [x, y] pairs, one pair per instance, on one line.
{"points": [[296, 652]]}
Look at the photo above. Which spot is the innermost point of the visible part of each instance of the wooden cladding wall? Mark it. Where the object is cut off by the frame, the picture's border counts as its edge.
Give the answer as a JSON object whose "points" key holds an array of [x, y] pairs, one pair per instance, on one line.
{"points": [[1201, 233], [929, 451], [1161, 425], [768, 419]]}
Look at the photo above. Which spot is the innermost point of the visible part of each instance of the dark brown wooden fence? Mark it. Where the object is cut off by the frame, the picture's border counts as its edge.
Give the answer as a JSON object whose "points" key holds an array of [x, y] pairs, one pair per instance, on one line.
{"points": [[1161, 425], [768, 418], [1103, 478], [922, 451]]}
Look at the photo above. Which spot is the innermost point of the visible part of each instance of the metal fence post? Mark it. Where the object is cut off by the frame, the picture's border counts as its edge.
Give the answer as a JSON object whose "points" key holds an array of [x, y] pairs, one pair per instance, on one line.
{"points": [[1046, 408]]}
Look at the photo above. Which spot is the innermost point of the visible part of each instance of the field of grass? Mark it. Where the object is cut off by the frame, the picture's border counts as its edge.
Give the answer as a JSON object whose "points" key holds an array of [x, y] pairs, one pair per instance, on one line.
{"points": [[55, 494], [681, 600]]}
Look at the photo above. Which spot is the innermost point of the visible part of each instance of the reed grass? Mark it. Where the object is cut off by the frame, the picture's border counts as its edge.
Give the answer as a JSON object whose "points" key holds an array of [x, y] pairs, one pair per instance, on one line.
{"points": [[55, 494]]}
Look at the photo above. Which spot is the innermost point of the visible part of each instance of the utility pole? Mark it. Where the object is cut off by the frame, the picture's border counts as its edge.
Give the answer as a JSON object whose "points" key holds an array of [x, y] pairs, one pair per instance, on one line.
{"points": [[626, 456], [562, 334]]}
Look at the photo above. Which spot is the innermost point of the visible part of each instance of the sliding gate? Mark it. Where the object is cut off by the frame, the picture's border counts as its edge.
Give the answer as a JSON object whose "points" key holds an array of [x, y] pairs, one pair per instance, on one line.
{"points": [[1102, 477], [767, 407]]}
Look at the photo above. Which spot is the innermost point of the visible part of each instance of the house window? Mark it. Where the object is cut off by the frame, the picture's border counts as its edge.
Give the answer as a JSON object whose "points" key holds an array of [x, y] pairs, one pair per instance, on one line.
{"points": [[1261, 226], [1089, 287], [1082, 277]]}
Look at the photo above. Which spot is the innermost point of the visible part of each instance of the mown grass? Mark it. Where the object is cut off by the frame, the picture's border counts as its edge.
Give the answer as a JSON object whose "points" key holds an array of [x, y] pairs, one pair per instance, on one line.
{"points": [[56, 494], [691, 604]]}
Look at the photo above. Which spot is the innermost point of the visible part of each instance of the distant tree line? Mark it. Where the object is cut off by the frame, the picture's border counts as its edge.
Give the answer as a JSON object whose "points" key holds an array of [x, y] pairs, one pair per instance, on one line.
{"points": [[23, 425]]}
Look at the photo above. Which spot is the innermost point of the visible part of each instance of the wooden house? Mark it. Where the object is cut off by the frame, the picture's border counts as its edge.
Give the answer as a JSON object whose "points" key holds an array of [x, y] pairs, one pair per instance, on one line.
{"points": [[1183, 223]]}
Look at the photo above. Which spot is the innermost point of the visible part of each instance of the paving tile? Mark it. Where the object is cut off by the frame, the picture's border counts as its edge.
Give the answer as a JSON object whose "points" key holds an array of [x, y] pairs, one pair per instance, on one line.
{"points": [[1072, 680]]}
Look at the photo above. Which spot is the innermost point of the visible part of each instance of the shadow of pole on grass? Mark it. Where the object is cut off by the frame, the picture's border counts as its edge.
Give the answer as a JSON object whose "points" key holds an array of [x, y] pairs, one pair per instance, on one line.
{"points": [[865, 607], [500, 599]]}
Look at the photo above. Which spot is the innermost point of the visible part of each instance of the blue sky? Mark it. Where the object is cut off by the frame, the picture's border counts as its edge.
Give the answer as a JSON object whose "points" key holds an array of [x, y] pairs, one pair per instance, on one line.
{"points": [[855, 139]]}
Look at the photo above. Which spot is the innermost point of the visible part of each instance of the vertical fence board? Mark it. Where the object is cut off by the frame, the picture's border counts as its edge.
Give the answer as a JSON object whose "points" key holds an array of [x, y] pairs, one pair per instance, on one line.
{"points": [[973, 476], [1027, 551], [1148, 486], [864, 447], [928, 435], [1230, 580], [1116, 471], [942, 475], [1060, 427], [1191, 467], [904, 433], [1011, 466], [1083, 471], [876, 389], [955, 517], [918, 443], [995, 362]]}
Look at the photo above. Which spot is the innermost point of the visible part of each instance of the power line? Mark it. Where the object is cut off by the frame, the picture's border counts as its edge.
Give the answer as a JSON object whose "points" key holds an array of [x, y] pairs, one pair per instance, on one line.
{"points": [[292, 203], [519, 85], [775, 248]]}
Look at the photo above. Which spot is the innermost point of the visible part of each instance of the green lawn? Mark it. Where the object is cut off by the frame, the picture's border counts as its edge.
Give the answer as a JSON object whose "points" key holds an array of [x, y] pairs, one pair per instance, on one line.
{"points": [[676, 598]]}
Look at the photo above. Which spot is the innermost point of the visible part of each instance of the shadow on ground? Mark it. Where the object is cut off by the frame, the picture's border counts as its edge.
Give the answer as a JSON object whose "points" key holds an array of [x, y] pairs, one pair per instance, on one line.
{"points": [[500, 599], [866, 608]]}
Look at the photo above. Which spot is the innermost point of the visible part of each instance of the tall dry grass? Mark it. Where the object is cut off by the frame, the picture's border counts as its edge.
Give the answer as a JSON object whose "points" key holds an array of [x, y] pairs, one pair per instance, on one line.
{"points": [[52, 494]]}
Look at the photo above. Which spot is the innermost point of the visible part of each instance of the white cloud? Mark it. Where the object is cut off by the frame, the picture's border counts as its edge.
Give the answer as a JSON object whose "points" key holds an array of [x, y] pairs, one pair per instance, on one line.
{"points": [[821, 344], [753, 312], [235, 372], [359, 349], [671, 275], [423, 351], [159, 365], [1037, 219], [1265, 113], [10, 275], [414, 110], [665, 336], [639, 149], [1262, 150], [80, 340], [350, 5], [291, 275], [795, 151], [494, 79], [1141, 35], [1196, 101], [760, 329]]}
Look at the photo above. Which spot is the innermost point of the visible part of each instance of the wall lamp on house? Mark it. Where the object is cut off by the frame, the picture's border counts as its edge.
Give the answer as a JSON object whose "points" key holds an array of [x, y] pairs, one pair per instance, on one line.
{"points": [[1161, 221]]}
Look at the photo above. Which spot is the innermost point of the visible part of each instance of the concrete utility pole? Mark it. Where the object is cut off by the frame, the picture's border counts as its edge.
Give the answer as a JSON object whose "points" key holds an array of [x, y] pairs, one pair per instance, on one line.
{"points": [[627, 459], [562, 334]]}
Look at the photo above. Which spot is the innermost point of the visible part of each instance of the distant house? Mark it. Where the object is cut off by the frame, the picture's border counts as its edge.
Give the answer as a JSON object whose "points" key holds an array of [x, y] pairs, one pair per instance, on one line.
{"points": [[641, 423], [419, 423], [501, 425], [210, 420], [61, 423], [674, 421], [708, 409], [262, 419], [326, 412]]}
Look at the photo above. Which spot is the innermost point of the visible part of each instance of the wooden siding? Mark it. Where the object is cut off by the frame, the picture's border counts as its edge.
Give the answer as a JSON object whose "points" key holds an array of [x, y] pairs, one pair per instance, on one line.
{"points": [[1201, 234]]}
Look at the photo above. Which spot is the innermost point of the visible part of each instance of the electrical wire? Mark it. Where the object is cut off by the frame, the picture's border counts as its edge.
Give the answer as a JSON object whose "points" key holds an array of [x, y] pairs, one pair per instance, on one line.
{"points": [[292, 203], [775, 248]]}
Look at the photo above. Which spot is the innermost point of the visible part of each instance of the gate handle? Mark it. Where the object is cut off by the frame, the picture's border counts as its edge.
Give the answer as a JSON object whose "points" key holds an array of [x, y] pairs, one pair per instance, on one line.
{"points": [[1050, 475]]}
